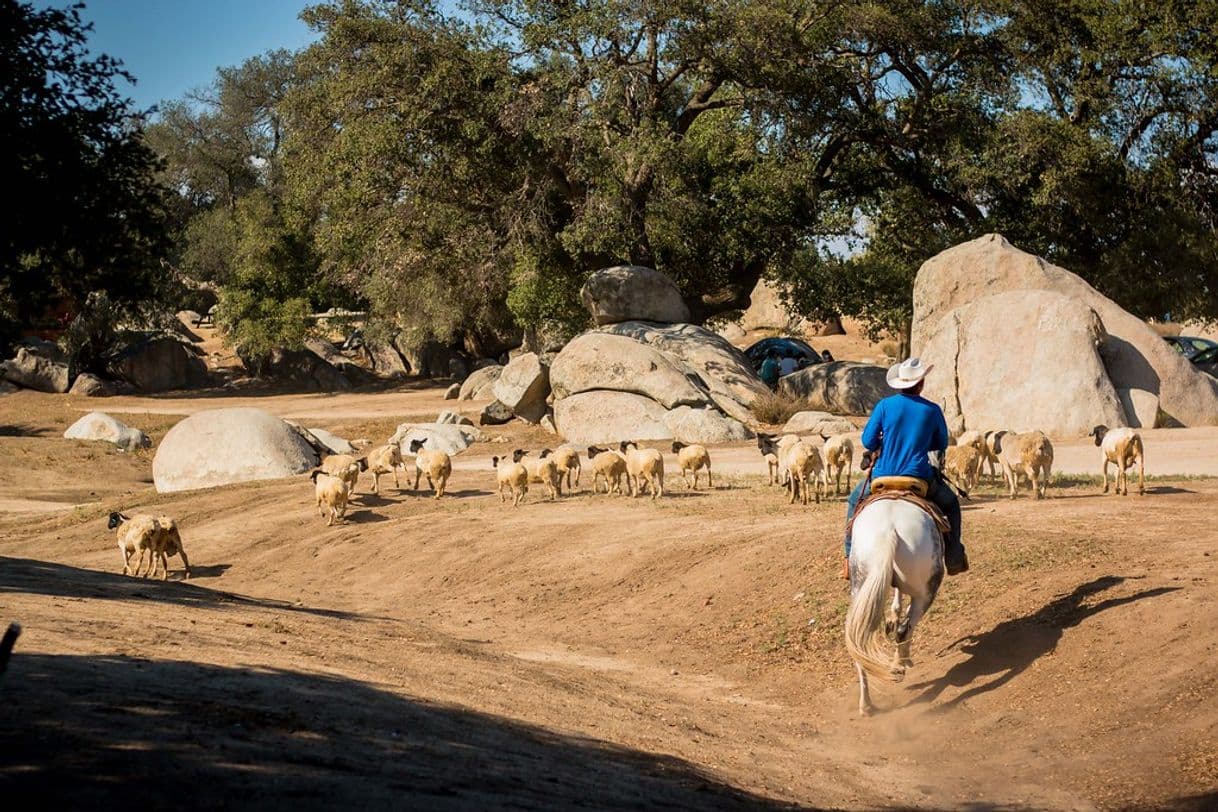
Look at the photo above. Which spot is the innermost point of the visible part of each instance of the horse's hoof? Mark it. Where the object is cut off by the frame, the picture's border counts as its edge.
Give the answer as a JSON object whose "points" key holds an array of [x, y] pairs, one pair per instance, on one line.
{"points": [[906, 662]]}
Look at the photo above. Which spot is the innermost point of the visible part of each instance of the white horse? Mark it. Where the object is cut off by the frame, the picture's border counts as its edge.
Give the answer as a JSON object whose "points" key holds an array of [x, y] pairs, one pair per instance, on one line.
{"points": [[894, 544]]}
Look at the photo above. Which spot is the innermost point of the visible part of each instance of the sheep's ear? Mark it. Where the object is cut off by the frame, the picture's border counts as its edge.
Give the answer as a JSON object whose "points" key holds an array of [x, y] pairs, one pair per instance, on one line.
{"points": [[494, 462]]}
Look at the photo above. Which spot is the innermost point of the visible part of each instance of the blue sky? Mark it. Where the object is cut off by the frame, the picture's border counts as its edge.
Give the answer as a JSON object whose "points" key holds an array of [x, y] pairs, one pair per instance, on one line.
{"points": [[172, 46]]}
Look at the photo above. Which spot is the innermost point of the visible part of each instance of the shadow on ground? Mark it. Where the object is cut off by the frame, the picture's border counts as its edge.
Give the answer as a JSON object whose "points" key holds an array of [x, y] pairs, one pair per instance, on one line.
{"points": [[98, 731], [1008, 649], [25, 575]]}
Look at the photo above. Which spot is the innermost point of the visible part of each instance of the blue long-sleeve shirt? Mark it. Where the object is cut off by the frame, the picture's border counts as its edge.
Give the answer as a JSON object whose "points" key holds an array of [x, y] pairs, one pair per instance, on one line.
{"points": [[912, 427]]}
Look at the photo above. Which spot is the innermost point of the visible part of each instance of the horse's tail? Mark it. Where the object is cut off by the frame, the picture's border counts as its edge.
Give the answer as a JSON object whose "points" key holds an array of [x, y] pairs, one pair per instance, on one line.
{"points": [[865, 618]]}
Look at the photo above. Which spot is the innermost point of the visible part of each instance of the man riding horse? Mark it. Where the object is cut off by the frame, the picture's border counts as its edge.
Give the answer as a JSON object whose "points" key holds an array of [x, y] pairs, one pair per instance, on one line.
{"points": [[909, 428]]}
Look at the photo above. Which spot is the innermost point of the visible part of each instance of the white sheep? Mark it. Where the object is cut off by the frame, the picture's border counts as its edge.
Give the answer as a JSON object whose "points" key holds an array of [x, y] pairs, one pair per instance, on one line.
{"points": [[513, 477], [343, 465], [989, 452], [156, 535], [436, 465], [644, 466], [1121, 447], [692, 458], [765, 441], [567, 459], [962, 464], [801, 464], [608, 464], [332, 493], [1029, 454], [544, 469], [839, 456], [386, 459]]}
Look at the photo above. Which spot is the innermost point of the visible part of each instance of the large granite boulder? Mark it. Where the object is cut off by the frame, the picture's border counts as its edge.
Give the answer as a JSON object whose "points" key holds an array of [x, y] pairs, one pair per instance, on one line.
{"points": [[1133, 354], [724, 370], [101, 426], [605, 361], [222, 446], [331, 443], [447, 437], [767, 311], [705, 426], [523, 387], [305, 368], [480, 385], [385, 360], [812, 422], [631, 292], [90, 386], [600, 417], [39, 365], [839, 387], [1021, 360], [160, 364]]}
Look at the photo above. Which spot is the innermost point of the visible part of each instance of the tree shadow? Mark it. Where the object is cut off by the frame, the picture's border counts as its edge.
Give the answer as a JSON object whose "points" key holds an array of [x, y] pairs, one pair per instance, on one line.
{"points": [[1008, 649], [1165, 489], [25, 575], [97, 731], [16, 430], [1201, 802]]}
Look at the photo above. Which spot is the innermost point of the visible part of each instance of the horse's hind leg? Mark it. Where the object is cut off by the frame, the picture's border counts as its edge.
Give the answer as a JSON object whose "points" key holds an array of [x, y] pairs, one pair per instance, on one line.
{"points": [[905, 629], [865, 706]]}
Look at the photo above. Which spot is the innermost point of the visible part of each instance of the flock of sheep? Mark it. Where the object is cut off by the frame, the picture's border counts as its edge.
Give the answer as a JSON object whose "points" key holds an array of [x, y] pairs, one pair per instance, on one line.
{"points": [[802, 464]]}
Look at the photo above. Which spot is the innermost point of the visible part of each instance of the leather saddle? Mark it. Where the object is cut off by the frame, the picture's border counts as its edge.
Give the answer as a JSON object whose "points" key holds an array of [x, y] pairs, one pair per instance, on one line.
{"points": [[905, 489]]}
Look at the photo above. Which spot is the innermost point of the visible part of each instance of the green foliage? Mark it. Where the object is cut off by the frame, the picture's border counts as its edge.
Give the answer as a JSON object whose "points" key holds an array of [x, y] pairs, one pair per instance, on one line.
{"points": [[460, 173], [272, 286], [86, 213]]}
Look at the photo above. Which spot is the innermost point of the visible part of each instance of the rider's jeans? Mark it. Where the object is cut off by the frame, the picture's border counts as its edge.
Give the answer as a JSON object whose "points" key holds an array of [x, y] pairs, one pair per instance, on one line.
{"points": [[940, 493]]}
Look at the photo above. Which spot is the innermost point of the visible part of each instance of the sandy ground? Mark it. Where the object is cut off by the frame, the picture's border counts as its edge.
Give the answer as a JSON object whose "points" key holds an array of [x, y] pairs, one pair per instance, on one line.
{"points": [[594, 651]]}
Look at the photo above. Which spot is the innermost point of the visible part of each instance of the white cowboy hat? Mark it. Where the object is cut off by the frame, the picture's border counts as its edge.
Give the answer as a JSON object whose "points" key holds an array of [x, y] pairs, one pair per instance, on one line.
{"points": [[907, 373]]}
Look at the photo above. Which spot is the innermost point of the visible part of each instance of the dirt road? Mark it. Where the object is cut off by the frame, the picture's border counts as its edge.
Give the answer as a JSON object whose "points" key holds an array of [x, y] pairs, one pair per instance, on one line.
{"points": [[594, 651]]}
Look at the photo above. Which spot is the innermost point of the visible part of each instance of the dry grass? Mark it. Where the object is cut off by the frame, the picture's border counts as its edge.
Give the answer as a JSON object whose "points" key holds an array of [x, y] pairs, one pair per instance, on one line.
{"points": [[776, 407]]}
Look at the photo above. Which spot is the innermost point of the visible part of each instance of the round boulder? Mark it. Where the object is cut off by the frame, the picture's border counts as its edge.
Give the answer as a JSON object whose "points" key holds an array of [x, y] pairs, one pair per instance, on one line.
{"points": [[480, 383], [101, 426], [523, 387], [223, 446], [632, 292], [610, 417], [840, 387], [705, 426], [622, 364], [450, 438]]}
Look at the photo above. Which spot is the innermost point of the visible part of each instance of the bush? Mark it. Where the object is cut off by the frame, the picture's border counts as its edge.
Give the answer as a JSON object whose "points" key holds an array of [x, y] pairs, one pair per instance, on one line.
{"points": [[777, 407]]}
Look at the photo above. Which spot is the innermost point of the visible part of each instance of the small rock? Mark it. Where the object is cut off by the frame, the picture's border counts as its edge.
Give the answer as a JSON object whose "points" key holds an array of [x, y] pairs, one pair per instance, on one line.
{"points": [[495, 414], [452, 392], [452, 418]]}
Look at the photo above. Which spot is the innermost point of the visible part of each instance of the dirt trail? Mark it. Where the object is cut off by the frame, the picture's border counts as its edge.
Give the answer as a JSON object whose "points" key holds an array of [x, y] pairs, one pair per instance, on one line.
{"points": [[457, 653]]}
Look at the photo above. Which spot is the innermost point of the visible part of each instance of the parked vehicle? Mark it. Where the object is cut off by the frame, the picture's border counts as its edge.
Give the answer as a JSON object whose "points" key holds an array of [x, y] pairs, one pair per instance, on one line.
{"points": [[1207, 361], [1190, 346], [786, 347]]}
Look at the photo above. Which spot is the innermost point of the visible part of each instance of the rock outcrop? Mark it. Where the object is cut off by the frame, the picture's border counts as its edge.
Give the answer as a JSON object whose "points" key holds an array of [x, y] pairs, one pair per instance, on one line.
{"points": [[1137, 362], [726, 373], [39, 365], [598, 417], [447, 437], [222, 446], [1021, 360], [839, 387], [605, 361], [523, 386], [632, 293], [103, 427], [90, 386], [160, 364], [480, 385]]}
